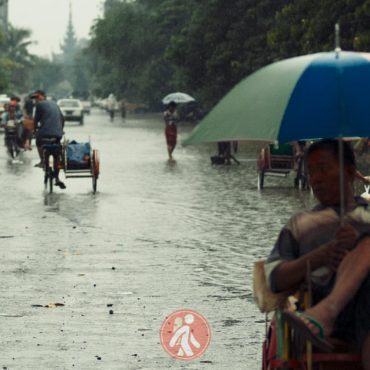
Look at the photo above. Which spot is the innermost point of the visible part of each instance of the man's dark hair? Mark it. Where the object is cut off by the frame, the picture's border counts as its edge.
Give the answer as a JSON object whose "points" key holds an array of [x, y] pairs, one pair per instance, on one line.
{"points": [[38, 92], [332, 145], [172, 104]]}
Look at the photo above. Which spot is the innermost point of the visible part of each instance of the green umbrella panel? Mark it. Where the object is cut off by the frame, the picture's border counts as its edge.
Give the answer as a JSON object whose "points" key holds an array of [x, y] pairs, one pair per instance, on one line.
{"points": [[254, 108]]}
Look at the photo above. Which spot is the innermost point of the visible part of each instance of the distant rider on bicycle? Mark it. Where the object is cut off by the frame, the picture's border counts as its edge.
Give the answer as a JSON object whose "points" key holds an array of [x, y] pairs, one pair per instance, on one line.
{"points": [[48, 127], [11, 120]]}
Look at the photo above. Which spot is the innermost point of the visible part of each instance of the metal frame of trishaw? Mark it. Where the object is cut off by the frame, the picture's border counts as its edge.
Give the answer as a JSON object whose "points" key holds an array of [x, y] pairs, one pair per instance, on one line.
{"points": [[89, 168], [280, 351]]}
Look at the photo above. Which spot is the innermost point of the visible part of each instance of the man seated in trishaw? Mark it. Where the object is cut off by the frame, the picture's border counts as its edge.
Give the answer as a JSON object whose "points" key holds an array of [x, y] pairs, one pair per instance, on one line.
{"points": [[338, 256]]}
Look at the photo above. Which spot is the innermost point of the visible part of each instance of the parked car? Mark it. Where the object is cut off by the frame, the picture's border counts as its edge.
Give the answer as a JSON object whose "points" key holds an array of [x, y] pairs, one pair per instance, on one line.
{"points": [[87, 106], [72, 110]]}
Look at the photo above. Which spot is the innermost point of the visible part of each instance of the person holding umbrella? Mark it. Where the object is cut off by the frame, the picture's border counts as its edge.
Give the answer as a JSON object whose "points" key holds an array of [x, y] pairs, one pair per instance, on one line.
{"points": [[338, 255], [171, 119]]}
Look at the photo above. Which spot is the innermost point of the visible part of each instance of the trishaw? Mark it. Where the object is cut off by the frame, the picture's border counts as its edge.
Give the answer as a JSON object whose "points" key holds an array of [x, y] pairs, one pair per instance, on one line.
{"points": [[280, 161], [280, 350], [77, 160]]}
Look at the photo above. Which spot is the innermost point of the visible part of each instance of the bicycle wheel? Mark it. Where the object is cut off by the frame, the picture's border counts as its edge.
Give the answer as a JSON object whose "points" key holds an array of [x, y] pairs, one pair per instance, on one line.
{"points": [[46, 176], [49, 174]]}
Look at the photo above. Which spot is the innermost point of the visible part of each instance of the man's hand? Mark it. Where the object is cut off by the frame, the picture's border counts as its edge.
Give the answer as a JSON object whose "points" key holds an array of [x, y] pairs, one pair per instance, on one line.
{"points": [[335, 251], [346, 236]]}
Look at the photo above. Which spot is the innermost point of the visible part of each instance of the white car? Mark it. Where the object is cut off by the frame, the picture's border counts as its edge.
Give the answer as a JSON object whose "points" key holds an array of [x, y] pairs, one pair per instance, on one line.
{"points": [[72, 110], [87, 106]]}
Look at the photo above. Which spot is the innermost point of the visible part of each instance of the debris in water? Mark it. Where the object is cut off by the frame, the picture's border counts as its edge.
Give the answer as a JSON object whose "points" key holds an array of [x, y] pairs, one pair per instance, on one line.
{"points": [[124, 293], [53, 305], [50, 305]]}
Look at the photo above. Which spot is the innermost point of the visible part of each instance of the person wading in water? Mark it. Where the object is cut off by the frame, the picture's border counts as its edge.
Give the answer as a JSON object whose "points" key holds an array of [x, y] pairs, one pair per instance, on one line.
{"points": [[171, 119]]}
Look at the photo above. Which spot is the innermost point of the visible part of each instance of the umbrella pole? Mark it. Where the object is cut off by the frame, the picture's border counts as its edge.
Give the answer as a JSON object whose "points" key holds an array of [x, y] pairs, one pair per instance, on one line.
{"points": [[341, 157], [341, 181]]}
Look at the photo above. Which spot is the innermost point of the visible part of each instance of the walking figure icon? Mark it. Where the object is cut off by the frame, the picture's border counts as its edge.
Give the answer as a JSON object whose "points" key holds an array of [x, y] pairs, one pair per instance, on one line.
{"points": [[185, 335]]}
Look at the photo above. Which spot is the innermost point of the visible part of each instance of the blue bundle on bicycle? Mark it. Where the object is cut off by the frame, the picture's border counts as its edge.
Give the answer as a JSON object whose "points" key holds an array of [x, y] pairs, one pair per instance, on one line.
{"points": [[78, 155]]}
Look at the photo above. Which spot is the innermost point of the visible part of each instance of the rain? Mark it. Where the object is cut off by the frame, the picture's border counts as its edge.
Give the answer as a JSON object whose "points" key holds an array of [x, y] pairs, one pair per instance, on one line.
{"points": [[114, 224]]}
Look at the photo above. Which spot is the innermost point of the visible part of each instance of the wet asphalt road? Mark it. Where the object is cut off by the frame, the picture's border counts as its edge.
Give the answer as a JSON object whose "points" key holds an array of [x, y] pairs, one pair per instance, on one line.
{"points": [[157, 237]]}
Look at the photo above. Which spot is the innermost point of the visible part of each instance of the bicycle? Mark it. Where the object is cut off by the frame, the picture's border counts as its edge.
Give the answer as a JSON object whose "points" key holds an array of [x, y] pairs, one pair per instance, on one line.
{"points": [[51, 148]]}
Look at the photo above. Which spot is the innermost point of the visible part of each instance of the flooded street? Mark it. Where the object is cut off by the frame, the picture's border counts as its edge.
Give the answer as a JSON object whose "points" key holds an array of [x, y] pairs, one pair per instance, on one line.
{"points": [[155, 238]]}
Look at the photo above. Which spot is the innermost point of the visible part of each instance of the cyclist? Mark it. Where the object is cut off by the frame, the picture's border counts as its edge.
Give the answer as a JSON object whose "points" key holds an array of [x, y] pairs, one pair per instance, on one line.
{"points": [[48, 126], [11, 119]]}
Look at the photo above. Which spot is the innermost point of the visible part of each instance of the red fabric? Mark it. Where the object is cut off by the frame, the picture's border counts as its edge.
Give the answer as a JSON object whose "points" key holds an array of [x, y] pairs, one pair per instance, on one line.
{"points": [[171, 135]]}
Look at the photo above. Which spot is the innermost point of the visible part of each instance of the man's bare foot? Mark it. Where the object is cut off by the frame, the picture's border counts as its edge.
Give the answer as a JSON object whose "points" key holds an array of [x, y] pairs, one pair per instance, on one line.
{"points": [[307, 328], [323, 317]]}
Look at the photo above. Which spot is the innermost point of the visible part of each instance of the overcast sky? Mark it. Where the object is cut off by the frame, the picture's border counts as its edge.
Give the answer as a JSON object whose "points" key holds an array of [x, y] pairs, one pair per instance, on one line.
{"points": [[48, 19]]}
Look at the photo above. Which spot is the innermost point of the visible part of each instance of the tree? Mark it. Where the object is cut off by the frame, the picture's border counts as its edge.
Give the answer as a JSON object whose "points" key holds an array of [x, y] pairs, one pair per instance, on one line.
{"points": [[307, 26], [130, 42], [46, 74], [222, 43], [145, 49], [16, 59]]}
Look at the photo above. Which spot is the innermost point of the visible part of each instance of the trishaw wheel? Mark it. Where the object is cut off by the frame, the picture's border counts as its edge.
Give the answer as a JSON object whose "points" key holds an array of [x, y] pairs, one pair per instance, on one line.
{"points": [[94, 183], [260, 180], [95, 163]]}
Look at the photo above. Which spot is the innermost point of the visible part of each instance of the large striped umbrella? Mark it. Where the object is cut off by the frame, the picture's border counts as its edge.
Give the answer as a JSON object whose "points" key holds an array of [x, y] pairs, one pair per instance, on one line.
{"points": [[323, 95]]}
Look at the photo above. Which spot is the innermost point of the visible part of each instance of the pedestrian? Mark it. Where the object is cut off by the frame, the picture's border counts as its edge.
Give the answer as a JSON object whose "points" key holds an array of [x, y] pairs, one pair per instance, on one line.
{"points": [[48, 127], [171, 119], [122, 107], [111, 106]]}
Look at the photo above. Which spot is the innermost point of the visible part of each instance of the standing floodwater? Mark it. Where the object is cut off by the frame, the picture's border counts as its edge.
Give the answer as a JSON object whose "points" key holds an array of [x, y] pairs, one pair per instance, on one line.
{"points": [[156, 238]]}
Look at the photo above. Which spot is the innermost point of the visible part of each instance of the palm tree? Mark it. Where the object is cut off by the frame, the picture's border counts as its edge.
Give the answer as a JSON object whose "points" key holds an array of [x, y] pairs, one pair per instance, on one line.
{"points": [[16, 43], [15, 55]]}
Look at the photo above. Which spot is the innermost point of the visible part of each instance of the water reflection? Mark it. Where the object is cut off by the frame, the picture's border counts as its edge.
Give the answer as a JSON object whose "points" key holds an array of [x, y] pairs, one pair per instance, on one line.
{"points": [[179, 234]]}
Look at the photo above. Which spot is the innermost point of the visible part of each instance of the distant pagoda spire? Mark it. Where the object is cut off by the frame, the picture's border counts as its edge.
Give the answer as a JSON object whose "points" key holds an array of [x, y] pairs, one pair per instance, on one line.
{"points": [[70, 40]]}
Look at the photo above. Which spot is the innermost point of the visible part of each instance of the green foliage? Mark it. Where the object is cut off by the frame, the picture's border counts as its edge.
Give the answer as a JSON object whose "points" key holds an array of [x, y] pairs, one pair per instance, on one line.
{"points": [[130, 44], [15, 60], [222, 43], [145, 49], [307, 26], [46, 74]]}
